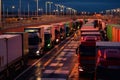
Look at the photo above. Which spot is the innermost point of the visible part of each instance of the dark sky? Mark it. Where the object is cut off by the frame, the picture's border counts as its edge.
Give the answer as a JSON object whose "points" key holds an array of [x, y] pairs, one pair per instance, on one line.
{"points": [[79, 5]]}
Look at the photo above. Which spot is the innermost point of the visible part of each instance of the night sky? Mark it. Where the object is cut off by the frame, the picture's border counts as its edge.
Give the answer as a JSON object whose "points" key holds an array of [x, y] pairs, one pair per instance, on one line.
{"points": [[79, 5]]}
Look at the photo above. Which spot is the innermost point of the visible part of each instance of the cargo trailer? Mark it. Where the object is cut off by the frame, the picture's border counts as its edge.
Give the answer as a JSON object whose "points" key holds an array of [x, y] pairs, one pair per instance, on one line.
{"points": [[11, 56]]}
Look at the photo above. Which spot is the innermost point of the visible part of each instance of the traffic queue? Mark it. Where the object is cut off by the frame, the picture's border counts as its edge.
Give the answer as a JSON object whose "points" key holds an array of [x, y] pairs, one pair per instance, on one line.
{"points": [[16, 47], [99, 50]]}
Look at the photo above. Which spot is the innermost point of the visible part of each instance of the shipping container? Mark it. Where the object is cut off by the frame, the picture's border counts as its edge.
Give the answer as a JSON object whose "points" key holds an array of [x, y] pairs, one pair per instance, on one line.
{"points": [[113, 32]]}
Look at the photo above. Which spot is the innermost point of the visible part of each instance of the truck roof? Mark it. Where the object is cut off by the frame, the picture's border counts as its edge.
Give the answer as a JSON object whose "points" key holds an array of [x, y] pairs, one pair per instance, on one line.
{"points": [[89, 29], [109, 44], [7, 36], [90, 34], [45, 26]]}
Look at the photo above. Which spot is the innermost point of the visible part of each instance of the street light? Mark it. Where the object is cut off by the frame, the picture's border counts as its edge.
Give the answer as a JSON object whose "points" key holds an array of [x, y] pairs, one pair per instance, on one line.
{"points": [[57, 5], [49, 3], [19, 8], [0, 14], [28, 9], [62, 8], [37, 7], [41, 10], [13, 7], [69, 10]]}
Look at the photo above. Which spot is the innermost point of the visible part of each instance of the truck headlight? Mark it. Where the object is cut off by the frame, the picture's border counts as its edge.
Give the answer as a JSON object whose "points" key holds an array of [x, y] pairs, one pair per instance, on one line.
{"points": [[80, 69], [57, 40], [37, 53], [48, 45]]}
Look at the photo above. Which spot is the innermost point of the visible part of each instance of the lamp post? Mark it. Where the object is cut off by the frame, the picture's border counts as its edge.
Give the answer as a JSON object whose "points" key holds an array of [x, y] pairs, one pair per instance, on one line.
{"points": [[56, 8], [69, 10], [19, 8], [0, 16], [7, 12], [49, 3], [37, 8], [62, 9], [41, 10], [13, 7], [28, 9]]}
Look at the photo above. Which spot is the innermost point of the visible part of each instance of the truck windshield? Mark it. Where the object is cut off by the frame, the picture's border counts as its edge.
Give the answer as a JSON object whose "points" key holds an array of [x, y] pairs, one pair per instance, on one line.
{"points": [[33, 39], [47, 36]]}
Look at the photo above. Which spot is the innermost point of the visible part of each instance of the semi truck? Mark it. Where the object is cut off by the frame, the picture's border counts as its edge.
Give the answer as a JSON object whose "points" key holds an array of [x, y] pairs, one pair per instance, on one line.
{"points": [[49, 36], [107, 60], [67, 29], [35, 41], [11, 56], [57, 32], [62, 30], [87, 51]]}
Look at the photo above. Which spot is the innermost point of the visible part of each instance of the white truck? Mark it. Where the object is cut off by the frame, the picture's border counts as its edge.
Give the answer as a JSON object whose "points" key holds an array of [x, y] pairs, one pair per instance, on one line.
{"points": [[35, 40], [49, 36], [11, 59]]}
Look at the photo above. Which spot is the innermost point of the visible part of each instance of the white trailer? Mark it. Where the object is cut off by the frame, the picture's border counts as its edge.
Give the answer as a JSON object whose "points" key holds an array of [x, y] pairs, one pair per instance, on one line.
{"points": [[25, 49], [10, 55]]}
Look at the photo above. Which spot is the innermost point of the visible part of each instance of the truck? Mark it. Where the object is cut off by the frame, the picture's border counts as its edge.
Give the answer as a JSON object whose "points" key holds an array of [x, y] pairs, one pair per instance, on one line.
{"points": [[87, 51], [67, 29], [49, 36], [62, 30], [11, 56], [57, 32], [35, 41], [107, 60]]}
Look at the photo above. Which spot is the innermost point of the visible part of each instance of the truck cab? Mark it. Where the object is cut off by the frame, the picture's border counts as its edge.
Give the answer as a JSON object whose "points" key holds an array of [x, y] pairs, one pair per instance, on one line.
{"points": [[35, 41]]}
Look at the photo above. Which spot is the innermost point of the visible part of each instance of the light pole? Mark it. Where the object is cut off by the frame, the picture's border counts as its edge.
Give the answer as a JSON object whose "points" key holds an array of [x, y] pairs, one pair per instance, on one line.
{"points": [[46, 7], [41, 10], [13, 7], [69, 10], [49, 3], [28, 9], [19, 8], [57, 5], [37, 8], [7, 12], [62, 9], [0, 16]]}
